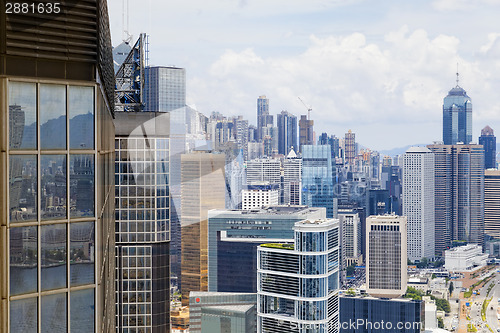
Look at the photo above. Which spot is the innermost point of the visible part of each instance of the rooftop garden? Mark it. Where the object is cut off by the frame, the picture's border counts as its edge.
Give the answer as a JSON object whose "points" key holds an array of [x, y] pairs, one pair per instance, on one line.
{"points": [[283, 246]]}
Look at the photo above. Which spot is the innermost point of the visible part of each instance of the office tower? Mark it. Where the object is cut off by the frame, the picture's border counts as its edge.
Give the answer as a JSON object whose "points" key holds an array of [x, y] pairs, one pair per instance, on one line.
{"points": [[258, 195], [457, 117], [214, 312], [143, 221], [298, 283], [263, 117], [235, 180], [287, 132], [241, 136], [386, 255], [165, 88], [233, 237], [418, 202], [292, 179], [334, 142], [492, 203], [351, 239], [369, 314], [254, 150], [57, 214], [459, 194], [306, 132], [350, 151], [489, 142], [264, 170], [317, 182], [202, 188], [270, 140]]}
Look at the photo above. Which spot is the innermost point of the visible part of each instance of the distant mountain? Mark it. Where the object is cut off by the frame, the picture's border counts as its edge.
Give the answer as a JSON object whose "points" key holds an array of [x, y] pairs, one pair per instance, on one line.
{"points": [[401, 150]]}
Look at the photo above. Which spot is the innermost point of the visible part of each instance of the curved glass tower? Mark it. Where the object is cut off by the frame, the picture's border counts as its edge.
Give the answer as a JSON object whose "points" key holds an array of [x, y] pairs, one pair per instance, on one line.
{"points": [[457, 117]]}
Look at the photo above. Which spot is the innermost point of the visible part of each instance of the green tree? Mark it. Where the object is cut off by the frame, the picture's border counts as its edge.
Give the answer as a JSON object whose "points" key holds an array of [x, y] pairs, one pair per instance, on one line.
{"points": [[350, 270], [440, 323], [451, 287]]}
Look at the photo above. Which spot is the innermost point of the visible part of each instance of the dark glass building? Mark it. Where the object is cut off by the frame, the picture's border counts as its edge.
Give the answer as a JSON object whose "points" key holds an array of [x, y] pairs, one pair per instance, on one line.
{"points": [[56, 171], [489, 142], [287, 132], [457, 117]]}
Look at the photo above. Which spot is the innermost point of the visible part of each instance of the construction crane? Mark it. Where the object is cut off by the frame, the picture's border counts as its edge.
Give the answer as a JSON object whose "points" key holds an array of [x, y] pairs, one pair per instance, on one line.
{"points": [[309, 109]]}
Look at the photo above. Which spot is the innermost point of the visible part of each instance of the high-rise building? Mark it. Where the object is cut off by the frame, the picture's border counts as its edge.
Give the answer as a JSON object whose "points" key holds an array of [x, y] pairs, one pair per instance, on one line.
{"points": [[213, 312], [386, 257], [292, 179], [351, 239], [164, 89], [418, 202], [306, 132], [317, 182], [57, 214], [258, 195], [241, 136], [492, 203], [233, 237], [202, 188], [459, 194], [298, 283], [264, 170], [350, 151], [489, 142], [287, 132], [263, 116], [457, 117], [142, 221]]}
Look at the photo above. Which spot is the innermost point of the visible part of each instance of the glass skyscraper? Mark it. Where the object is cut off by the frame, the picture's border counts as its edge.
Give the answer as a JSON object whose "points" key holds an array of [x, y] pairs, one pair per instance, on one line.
{"points": [[164, 88], [489, 142], [287, 132], [317, 181], [56, 179], [457, 117]]}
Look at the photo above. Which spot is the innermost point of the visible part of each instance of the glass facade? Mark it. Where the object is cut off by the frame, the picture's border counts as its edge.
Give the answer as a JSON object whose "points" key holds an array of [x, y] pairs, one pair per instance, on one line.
{"points": [[457, 117], [51, 206], [165, 89]]}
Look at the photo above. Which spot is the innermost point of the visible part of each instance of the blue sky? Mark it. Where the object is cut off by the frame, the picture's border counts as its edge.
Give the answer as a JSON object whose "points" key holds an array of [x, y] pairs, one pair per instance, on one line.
{"points": [[380, 68]]}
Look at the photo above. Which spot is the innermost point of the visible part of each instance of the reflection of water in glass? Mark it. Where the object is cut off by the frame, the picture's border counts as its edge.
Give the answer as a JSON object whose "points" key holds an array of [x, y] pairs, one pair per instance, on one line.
{"points": [[25, 280]]}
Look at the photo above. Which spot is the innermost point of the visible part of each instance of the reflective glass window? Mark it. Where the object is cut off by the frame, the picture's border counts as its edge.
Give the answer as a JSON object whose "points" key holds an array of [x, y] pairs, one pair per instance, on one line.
{"points": [[82, 311], [82, 248], [54, 313], [52, 116], [81, 168], [53, 256], [23, 315], [22, 115], [23, 188], [23, 260], [81, 117], [53, 186]]}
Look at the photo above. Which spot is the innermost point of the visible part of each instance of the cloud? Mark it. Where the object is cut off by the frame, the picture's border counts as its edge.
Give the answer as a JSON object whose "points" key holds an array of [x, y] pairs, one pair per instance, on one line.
{"points": [[461, 5]]}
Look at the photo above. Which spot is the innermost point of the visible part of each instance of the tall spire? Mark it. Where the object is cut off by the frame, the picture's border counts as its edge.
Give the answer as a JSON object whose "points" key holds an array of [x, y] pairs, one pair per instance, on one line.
{"points": [[457, 75]]}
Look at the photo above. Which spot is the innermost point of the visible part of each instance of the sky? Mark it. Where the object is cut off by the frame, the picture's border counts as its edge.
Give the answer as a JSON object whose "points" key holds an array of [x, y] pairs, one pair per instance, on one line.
{"points": [[379, 68]]}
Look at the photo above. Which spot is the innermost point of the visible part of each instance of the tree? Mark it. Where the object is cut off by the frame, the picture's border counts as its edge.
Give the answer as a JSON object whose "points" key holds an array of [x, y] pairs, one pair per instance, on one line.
{"points": [[350, 270], [451, 287], [440, 323]]}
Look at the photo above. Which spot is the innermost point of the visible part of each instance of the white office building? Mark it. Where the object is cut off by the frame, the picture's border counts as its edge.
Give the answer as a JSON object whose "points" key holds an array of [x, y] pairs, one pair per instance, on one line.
{"points": [[350, 226], [418, 202], [297, 284], [464, 258], [292, 179], [258, 195]]}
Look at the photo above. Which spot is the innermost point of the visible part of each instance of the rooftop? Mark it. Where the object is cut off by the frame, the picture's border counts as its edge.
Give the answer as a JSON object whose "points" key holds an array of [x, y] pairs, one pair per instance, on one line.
{"points": [[283, 246]]}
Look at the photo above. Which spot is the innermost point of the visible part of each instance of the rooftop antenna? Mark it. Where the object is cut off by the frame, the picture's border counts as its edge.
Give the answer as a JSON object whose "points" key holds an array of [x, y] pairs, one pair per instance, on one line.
{"points": [[457, 75], [126, 37]]}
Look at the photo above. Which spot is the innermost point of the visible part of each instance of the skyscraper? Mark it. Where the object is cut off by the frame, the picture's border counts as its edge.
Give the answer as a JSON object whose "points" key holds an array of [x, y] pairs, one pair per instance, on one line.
{"points": [[489, 142], [165, 88], [287, 132], [351, 239], [292, 179], [306, 133], [457, 117], [241, 136], [492, 203], [459, 194], [350, 150], [317, 182], [263, 116], [298, 283], [386, 255], [143, 221], [202, 188], [418, 202], [57, 213]]}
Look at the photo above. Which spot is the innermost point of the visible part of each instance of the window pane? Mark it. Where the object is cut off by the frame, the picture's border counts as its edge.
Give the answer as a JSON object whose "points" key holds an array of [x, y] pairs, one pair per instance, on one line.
{"points": [[22, 188], [82, 311], [82, 243], [23, 260], [22, 115], [53, 256], [54, 312], [53, 187], [23, 315], [81, 117], [81, 170], [52, 116]]}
